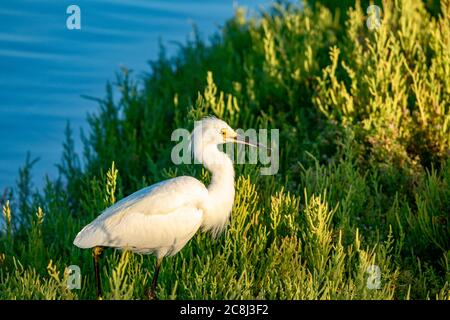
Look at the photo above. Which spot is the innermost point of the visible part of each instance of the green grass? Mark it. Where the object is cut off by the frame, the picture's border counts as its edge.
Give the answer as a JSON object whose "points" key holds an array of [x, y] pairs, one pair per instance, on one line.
{"points": [[364, 175]]}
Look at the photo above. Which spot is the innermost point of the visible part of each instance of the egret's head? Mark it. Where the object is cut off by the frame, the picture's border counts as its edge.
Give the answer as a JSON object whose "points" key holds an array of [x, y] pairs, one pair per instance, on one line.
{"points": [[210, 132], [213, 131]]}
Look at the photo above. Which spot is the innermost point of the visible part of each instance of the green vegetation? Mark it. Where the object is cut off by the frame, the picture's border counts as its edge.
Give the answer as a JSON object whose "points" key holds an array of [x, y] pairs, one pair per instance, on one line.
{"points": [[364, 174]]}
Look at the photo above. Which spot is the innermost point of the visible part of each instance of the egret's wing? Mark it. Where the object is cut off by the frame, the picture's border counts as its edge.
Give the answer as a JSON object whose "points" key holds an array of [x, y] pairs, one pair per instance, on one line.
{"points": [[160, 199], [160, 234]]}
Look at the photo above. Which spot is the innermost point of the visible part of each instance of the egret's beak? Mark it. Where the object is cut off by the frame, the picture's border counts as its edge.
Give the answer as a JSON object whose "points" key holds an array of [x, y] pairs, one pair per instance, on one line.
{"points": [[244, 140]]}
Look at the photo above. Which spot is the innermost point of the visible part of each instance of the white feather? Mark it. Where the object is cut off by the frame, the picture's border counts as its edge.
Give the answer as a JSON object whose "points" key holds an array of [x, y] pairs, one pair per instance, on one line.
{"points": [[160, 219], [160, 216]]}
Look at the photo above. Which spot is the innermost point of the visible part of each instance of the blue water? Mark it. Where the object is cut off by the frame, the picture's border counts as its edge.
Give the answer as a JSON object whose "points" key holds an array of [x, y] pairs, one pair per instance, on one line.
{"points": [[45, 68]]}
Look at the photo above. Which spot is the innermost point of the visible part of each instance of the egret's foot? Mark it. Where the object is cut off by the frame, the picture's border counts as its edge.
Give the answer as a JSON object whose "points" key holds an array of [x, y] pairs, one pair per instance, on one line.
{"points": [[151, 295], [96, 253]]}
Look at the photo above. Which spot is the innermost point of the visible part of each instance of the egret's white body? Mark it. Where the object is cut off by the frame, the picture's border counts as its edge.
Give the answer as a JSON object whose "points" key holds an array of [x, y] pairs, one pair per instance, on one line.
{"points": [[161, 218]]}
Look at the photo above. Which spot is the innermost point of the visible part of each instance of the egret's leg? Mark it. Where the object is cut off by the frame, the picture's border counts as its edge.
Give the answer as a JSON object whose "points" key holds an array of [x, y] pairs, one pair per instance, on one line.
{"points": [[96, 253], [152, 292]]}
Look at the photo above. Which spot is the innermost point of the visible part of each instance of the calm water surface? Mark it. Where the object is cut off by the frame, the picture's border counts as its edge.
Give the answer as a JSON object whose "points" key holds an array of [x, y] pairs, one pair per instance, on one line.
{"points": [[46, 68]]}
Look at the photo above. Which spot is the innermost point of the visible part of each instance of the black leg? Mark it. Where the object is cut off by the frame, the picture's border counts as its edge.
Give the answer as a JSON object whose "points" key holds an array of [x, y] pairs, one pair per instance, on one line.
{"points": [[151, 293], [96, 253]]}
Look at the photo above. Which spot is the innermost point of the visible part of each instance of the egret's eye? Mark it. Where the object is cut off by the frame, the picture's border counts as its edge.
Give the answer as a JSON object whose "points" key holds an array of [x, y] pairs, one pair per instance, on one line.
{"points": [[223, 132]]}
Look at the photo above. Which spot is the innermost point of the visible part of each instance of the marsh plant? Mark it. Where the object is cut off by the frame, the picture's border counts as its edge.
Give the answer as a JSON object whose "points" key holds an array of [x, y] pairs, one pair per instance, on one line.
{"points": [[359, 205]]}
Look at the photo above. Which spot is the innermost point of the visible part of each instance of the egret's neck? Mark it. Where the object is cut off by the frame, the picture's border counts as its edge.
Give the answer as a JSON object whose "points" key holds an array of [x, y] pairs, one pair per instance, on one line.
{"points": [[220, 190], [221, 168]]}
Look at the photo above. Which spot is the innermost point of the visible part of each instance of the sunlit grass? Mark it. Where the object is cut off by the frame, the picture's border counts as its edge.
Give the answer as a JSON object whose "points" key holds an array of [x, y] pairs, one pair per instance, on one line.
{"points": [[364, 180]]}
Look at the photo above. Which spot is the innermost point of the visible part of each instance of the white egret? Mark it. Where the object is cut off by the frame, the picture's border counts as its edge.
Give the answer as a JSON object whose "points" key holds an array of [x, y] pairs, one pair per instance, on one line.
{"points": [[162, 218]]}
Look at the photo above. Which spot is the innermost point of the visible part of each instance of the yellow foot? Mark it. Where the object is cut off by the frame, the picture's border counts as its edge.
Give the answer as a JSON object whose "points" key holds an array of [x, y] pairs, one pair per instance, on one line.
{"points": [[151, 295], [97, 251]]}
